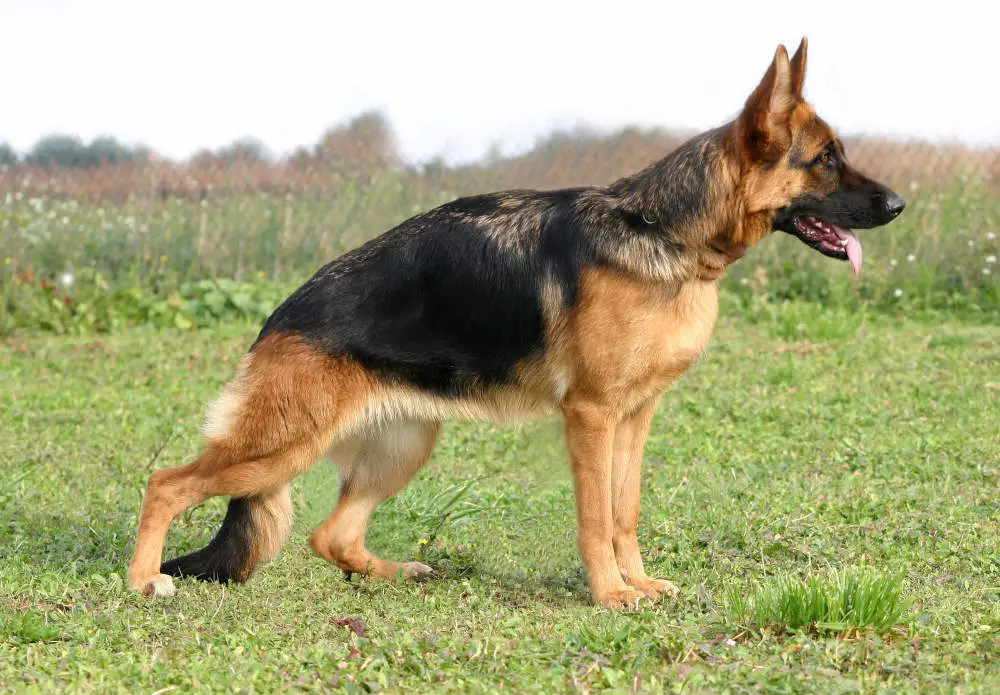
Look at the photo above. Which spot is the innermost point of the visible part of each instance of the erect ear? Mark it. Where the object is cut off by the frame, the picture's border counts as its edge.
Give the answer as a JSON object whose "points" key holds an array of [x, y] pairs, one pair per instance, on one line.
{"points": [[798, 64], [764, 121]]}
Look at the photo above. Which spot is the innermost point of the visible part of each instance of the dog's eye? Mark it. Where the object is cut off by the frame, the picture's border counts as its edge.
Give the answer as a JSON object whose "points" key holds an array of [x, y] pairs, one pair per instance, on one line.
{"points": [[826, 159]]}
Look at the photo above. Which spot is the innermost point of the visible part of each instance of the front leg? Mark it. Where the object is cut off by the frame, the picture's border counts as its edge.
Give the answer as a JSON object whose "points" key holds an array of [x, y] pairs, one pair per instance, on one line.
{"points": [[630, 439], [590, 433]]}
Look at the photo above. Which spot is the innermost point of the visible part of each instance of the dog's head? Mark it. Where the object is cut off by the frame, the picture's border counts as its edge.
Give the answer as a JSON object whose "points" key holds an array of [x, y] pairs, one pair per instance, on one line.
{"points": [[795, 174]]}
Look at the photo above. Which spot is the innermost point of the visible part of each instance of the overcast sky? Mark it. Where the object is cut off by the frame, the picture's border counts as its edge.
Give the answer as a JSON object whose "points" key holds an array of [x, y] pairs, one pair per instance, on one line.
{"points": [[456, 77]]}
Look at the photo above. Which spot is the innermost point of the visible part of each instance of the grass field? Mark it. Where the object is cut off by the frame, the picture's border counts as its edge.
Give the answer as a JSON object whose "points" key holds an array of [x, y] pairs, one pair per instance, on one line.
{"points": [[800, 445]]}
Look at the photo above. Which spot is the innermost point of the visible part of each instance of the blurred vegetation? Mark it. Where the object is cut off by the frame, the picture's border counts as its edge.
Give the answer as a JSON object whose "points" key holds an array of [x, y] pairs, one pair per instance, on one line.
{"points": [[97, 236]]}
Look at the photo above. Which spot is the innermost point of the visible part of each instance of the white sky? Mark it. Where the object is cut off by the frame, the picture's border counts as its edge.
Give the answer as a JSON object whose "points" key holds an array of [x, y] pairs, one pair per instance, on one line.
{"points": [[456, 77]]}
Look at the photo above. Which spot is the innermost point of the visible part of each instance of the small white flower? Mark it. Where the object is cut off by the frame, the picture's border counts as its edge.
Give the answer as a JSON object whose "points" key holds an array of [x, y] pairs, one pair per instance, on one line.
{"points": [[986, 271], [66, 279], [971, 243], [744, 281], [893, 262], [991, 259], [991, 235], [730, 643], [911, 258], [897, 293]]}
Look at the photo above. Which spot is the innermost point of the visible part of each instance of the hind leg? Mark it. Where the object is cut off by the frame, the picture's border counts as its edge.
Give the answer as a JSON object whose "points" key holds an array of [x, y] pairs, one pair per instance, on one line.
{"points": [[169, 492], [270, 423], [216, 472], [373, 468]]}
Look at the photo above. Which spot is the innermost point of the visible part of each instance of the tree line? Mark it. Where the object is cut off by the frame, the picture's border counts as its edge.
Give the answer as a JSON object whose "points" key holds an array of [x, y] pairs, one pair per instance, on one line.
{"points": [[367, 136]]}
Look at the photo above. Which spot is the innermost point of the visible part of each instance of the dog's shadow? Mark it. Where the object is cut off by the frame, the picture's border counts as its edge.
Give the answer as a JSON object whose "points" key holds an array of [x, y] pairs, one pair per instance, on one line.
{"points": [[509, 589], [57, 546]]}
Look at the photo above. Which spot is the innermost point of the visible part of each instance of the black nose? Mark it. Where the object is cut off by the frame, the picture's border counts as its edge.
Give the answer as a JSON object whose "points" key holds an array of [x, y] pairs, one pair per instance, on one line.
{"points": [[894, 205]]}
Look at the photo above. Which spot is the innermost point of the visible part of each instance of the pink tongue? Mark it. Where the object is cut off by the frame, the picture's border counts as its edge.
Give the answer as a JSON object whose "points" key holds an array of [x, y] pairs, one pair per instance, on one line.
{"points": [[853, 248]]}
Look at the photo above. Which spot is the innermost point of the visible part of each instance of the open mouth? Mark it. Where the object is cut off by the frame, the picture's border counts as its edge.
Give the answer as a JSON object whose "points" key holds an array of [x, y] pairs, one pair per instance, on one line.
{"points": [[829, 239]]}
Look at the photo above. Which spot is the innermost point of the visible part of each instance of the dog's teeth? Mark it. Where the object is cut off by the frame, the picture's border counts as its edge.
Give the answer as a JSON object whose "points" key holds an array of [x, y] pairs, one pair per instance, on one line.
{"points": [[843, 242]]}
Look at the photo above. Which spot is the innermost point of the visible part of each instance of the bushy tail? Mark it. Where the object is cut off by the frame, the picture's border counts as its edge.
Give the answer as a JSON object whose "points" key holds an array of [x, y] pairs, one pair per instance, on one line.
{"points": [[253, 531]]}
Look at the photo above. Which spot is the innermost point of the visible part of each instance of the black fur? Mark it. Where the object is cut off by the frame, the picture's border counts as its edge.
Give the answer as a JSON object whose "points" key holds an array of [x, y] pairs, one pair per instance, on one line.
{"points": [[225, 557]]}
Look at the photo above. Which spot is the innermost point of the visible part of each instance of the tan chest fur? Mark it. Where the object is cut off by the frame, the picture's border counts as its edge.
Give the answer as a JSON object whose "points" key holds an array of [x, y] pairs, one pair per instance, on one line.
{"points": [[628, 340]]}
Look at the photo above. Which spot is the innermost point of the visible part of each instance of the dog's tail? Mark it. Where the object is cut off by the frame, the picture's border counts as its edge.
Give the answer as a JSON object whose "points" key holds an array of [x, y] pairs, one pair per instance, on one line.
{"points": [[253, 531]]}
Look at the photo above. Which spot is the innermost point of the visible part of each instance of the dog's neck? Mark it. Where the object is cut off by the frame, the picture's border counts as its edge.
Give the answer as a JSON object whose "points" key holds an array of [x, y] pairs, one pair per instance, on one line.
{"points": [[689, 202]]}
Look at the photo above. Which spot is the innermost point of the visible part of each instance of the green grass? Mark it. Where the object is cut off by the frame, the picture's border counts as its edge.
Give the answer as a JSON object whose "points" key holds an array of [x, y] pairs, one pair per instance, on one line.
{"points": [[856, 442], [851, 600]]}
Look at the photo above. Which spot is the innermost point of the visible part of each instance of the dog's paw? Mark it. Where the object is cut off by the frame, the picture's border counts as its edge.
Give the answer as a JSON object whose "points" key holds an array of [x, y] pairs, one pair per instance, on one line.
{"points": [[627, 599], [653, 589], [157, 585]]}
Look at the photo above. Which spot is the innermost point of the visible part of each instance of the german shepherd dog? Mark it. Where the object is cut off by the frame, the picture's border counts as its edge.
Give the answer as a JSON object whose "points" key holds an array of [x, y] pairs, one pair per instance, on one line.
{"points": [[588, 302]]}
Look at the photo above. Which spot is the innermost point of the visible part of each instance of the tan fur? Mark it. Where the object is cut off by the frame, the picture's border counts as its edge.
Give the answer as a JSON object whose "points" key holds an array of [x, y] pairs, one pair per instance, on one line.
{"points": [[628, 339], [272, 517]]}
